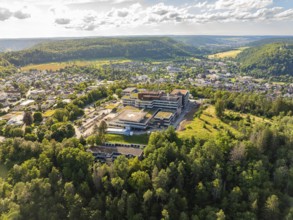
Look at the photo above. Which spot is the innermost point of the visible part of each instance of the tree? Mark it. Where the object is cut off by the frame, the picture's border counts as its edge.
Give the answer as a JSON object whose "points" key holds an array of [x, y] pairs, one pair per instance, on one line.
{"points": [[91, 140], [140, 181], [220, 108], [61, 115], [102, 129], [38, 117], [27, 118], [221, 215], [272, 207]]}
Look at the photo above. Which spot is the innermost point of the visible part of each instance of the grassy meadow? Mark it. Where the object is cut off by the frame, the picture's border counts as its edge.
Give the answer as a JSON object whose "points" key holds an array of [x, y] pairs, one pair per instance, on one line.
{"points": [[60, 65], [227, 54]]}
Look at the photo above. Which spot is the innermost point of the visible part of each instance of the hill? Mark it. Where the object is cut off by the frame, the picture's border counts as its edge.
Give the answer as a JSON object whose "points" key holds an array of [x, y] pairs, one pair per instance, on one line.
{"points": [[270, 59], [215, 44], [6, 68], [97, 48], [262, 42]]}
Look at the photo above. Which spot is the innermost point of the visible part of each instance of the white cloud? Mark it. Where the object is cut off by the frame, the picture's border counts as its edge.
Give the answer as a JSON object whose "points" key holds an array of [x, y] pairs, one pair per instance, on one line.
{"points": [[158, 14], [138, 14], [5, 14], [62, 21], [241, 4]]}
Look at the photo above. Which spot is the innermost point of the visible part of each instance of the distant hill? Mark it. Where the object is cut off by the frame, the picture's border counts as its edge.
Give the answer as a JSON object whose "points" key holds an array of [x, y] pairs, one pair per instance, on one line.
{"points": [[271, 40], [95, 48], [18, 44], [270, 59], [25, 43], [213, 44], [6, 68]]}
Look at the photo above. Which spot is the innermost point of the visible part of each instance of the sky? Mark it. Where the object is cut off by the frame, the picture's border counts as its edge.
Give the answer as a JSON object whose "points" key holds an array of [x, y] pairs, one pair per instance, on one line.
{"points": [[76, 18]]}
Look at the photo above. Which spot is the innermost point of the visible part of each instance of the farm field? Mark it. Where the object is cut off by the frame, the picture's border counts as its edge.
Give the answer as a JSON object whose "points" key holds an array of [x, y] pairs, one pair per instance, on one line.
{"points": [[60, 65], [227, 54]]}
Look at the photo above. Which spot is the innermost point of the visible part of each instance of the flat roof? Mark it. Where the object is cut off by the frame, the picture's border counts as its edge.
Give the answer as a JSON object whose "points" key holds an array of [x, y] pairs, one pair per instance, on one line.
{"points": [[122, 150], [177, 91], [129, 89], [27, 102], [133, 116], [163, 115]]}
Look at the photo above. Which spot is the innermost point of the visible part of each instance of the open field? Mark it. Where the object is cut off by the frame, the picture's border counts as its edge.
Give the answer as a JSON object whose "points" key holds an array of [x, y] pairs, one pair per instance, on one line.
{"points": [[135, 139], [209, 125], [205, 126], [61, 65], [227, 54]]}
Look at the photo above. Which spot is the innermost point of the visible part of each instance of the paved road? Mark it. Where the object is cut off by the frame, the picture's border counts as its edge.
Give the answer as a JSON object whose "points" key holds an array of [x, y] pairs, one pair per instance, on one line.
{"points": [[190, 106]]}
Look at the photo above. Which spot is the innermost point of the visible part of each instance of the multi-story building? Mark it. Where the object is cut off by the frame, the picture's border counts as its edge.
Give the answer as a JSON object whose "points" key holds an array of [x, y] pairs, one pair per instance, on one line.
{"points": [[150, 109], [184, 95], [150, 100]]}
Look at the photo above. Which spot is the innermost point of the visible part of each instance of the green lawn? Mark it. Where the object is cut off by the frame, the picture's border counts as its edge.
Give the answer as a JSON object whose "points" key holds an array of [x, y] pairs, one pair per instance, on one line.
{"points": [[135, 139], [206, 126]]}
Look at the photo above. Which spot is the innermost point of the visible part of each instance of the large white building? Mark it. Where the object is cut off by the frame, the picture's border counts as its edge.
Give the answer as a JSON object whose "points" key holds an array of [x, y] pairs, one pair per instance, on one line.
{"points": [[151, 109]]}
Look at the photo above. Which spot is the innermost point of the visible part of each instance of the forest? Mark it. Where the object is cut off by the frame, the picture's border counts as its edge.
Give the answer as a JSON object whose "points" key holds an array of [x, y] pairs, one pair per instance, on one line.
{"points": [[6, 68], [267, 60], [95, 48]]}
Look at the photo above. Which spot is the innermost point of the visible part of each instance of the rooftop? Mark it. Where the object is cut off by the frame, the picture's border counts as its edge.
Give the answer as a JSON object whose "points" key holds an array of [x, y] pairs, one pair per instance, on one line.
{"points": [[132, 116], [179, 91], [163, 115], [130, 89], [122, 150]]}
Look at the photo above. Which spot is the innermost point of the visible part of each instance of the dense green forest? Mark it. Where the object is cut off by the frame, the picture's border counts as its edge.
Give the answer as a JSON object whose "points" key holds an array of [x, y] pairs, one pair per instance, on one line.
{"points": [[269, 40], [266, 60], [94, 48], [222, 178]]}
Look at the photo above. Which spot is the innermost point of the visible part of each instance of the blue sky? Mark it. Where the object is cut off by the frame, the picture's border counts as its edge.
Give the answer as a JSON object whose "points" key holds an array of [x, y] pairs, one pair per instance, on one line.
{"points": [[67, 18]]}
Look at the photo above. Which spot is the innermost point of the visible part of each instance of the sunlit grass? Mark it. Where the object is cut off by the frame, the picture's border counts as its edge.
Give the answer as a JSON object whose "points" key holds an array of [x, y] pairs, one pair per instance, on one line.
{"points": [[49, 113], [206, 126], [227, 54], [60, 65]]}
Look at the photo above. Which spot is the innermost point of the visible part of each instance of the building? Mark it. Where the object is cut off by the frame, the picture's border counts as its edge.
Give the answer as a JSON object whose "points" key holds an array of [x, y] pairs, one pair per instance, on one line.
{"points": [[149, 109], [184, 95], [129, 91], [35, 94], [164, 118], [151, 100], [130, 119]]}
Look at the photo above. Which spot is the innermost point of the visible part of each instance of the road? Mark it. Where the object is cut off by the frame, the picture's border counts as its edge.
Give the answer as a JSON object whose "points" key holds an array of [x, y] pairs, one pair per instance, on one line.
{"points": [[190, 106]]}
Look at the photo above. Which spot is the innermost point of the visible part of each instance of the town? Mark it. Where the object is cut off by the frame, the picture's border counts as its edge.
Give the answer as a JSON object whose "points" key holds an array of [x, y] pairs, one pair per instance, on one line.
{"points": [[127, 110]]}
